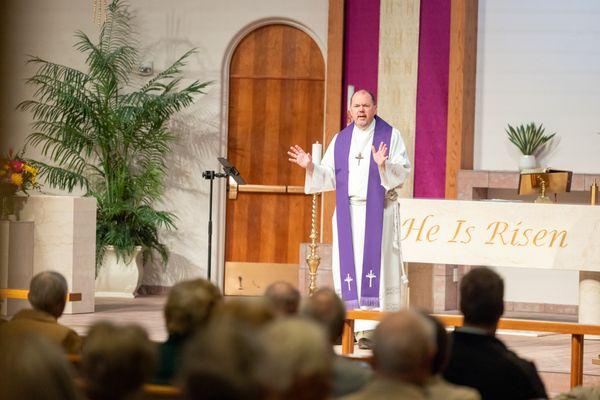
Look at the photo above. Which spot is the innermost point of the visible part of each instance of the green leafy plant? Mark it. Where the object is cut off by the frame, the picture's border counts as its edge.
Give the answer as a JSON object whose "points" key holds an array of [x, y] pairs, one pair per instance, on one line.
{"points": [[528, 138], [107, 137]]}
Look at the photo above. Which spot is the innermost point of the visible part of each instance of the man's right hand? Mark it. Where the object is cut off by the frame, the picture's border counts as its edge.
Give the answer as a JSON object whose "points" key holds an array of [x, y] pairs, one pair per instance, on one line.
{"points": [[300, 157]]}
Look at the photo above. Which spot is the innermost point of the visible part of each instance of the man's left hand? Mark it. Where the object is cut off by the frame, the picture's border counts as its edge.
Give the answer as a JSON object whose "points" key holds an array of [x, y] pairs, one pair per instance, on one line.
{"points": [[380, 155]]}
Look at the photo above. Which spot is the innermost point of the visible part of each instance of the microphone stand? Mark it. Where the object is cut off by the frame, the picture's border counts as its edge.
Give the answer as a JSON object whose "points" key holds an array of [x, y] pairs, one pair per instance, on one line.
{"points": [[211, 175], [228, 170]]}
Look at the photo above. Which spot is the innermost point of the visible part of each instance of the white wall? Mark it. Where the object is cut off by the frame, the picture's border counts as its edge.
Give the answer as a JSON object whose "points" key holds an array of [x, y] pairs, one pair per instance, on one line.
{"points": [[538, 60], [169, 28], [540, 286]]}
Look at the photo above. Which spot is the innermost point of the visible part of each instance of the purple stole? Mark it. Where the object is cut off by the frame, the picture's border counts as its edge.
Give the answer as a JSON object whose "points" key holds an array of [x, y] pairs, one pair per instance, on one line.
{"points": [[371, 269]]}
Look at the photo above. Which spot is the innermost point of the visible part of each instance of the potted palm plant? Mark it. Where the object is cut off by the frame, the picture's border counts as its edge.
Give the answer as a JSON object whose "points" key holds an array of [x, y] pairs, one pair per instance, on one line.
{"points": [[111, 139], [529, 139]]}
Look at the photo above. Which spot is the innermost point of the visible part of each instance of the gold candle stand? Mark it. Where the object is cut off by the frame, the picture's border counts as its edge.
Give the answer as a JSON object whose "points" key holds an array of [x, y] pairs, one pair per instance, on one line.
{"points": [[542, 198], [594, 193], [313, 259]]}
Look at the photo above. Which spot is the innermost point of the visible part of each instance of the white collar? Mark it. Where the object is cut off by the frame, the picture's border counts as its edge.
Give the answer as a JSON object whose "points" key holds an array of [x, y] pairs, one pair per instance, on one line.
{"points": [[368, 129]]}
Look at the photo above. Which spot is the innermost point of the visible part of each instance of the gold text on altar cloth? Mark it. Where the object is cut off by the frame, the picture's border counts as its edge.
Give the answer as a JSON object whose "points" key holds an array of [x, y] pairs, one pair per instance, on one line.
{"points": [[491, 232]]}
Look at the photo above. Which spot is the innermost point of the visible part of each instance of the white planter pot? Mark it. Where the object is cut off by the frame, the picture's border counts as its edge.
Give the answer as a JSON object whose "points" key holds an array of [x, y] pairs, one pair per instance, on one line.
{"points": [[527, 162], [118, 277]]}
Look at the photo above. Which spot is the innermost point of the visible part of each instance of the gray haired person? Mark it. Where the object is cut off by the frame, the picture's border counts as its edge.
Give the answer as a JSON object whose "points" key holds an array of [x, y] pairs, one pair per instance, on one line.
{"points": [[47, 295], [327, 309]]}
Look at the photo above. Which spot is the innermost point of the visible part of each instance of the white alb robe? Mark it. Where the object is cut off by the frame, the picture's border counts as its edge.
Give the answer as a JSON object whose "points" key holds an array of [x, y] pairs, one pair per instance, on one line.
{"points": [[397, 169]]}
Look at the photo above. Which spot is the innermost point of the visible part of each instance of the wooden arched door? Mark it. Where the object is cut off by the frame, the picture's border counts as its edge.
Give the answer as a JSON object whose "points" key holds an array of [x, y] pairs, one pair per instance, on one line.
{"points": [[276, 99]]}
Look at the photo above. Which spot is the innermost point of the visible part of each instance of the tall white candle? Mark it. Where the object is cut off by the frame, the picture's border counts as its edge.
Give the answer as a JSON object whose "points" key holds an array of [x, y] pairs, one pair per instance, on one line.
{"points": [[317, 150]]}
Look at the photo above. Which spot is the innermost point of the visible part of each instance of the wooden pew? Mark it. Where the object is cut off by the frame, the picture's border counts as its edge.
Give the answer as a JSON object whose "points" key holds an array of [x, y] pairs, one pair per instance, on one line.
{"points": [[21, 294], [577, 332], [150, 391], [161, 392]]}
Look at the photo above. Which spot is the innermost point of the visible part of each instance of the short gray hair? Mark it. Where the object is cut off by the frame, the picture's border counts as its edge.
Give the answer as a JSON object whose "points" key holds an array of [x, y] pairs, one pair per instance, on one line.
{"points": [[116, 360], [402, 343], [220, 362], [294, 350], [48, 292], [283, 297], [326, 308], [191, 305]]}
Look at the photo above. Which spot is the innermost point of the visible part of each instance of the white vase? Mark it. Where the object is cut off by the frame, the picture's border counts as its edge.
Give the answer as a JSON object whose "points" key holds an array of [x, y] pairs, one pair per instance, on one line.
{"points": [[527, 162], [118, 277]]}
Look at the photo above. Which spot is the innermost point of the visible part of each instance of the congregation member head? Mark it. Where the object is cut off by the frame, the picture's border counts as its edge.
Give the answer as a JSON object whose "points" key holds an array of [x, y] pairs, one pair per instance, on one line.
{"points": [[295, 361], [482, 298], [440, 357], [283, 297], [116, 361], [253, 313], [47, 296], [48, 293], [480, 360], [33, 367], [403, 348], [220, 363], [190, 307], [437, 387], [402, 353], [327, 309]]}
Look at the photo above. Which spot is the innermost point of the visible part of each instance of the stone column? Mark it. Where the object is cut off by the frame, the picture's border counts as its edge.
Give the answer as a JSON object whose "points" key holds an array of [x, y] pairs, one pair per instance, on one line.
{"points": [[16, 261], [589, 299], [65, 241]]}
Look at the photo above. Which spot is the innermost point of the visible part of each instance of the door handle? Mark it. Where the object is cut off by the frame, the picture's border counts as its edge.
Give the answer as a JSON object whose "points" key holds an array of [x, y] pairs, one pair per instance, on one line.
{"points": [[234, 189]]}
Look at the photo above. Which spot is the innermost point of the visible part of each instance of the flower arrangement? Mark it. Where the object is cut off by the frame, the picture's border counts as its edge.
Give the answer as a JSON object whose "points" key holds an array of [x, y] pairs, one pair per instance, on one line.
{"points": [[17, 175]]}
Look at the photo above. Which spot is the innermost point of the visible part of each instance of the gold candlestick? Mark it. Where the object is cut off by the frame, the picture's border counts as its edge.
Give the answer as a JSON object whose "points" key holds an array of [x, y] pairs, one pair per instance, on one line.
{"points": [[594, 193], [313, 259], [542, 198]]}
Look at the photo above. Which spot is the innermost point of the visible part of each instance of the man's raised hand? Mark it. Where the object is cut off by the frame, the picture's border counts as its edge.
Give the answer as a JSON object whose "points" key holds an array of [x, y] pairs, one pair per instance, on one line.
{"points": [[300, 157], [380, 155]]}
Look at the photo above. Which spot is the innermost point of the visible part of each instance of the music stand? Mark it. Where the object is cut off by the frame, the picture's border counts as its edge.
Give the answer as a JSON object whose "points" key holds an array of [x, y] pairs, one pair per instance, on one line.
{"points": [[229, 170], [552, 181]]}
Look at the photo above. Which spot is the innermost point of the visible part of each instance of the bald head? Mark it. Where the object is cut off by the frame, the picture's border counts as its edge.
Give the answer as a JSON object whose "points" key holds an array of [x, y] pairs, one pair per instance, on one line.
{"points": [[48, 293], [284, 298], [402, 347], [326, 308]]}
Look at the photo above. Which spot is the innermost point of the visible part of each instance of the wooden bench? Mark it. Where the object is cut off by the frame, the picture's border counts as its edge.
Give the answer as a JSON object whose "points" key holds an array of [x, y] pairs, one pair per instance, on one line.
{"points": [[577, 332], [150, 391], [21, 294], [161, 392]]}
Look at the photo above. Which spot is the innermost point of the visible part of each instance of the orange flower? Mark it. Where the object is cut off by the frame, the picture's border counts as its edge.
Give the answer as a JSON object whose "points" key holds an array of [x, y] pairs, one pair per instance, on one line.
{"points": [[16, 179]]}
